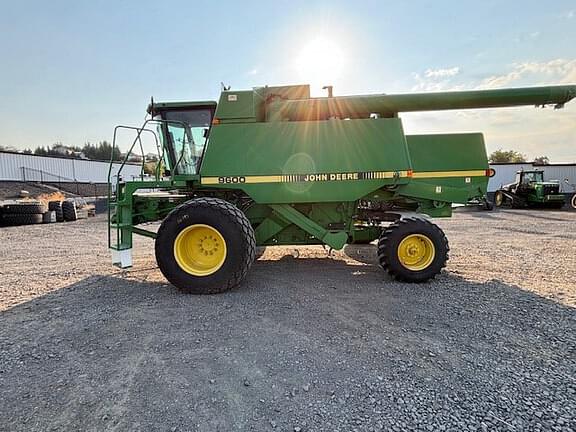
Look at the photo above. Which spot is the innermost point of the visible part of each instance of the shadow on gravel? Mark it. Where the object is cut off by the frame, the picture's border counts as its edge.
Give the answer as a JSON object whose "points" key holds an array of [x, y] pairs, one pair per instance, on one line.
{"points": [[309, 343], [549, 214]]}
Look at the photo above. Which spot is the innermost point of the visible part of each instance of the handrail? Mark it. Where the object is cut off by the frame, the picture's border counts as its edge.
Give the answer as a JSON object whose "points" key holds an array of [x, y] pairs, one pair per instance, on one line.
{"points": [[138, 139], [161, 149]]}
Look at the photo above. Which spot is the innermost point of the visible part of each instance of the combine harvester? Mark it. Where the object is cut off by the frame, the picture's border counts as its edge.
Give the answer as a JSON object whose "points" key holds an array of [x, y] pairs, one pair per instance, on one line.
{"points": [[273, 166]]}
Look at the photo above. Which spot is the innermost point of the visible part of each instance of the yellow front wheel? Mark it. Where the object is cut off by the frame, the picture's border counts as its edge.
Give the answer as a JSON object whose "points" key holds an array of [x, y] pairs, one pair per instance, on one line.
{"points": [[200, 249], [205, 246], [413, 250]]}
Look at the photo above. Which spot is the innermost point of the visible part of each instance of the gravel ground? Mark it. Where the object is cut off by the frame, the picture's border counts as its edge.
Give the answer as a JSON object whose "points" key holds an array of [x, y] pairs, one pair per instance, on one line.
{"points": [[308, 343]]}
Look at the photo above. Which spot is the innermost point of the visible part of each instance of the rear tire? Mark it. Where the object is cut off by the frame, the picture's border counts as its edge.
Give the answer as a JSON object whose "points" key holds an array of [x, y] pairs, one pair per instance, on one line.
{"points": [[24, 208], [49, 216], [57, 207], [21, 219], [413, 250], [573, 201], [69, 211], [205, 246]]}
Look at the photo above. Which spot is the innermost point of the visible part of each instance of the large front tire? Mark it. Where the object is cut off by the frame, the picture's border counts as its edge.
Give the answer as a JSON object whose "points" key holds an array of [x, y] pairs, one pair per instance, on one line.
{"points": [[205, 246], [413, 250]]}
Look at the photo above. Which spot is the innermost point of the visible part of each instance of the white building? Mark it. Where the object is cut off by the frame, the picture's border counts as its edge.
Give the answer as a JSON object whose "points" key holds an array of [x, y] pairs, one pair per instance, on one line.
{"points": [[28, 167]]}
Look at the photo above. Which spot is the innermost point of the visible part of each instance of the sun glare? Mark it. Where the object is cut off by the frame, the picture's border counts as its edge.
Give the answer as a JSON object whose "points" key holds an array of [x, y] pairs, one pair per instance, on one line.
{"points": [[320, 62]]}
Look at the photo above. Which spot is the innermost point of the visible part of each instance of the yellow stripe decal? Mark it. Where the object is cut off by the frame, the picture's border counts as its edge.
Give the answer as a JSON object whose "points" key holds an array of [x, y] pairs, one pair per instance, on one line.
{"points": [[349, 176], [437, 174]]}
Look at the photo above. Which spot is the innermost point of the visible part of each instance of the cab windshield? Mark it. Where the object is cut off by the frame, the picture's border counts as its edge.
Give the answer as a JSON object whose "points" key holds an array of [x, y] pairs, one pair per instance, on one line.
{"points": [[533, 177], [185, 138]]}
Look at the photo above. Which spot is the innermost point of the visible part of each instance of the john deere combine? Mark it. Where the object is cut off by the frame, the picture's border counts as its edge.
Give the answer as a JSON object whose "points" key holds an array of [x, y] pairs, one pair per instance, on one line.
{"points": [[273, 166]]}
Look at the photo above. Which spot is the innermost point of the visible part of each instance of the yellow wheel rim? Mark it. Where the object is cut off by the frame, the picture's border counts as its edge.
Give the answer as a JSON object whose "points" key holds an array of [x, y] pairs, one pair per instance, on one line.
{"points": [[498, 199], [200, 250], [416, 252]]}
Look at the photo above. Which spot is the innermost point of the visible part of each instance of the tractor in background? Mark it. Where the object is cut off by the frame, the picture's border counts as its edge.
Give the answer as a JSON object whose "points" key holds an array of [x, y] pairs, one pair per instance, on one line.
{"points": [[530, 190]]}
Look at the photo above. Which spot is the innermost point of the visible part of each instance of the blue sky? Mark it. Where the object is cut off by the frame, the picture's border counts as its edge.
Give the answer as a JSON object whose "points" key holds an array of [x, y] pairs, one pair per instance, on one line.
{"points": [[71, 70]]}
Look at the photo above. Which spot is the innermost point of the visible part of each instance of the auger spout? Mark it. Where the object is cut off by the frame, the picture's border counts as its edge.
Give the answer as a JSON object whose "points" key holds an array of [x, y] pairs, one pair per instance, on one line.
{"points": [[390, 105]]}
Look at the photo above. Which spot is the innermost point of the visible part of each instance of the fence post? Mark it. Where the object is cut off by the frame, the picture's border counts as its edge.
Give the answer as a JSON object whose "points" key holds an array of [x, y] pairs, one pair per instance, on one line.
{"points": [[24, 174]]}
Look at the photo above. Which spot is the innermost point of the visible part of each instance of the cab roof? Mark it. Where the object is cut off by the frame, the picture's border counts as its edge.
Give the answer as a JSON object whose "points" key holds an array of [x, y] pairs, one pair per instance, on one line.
{"points": [[168, 106]]}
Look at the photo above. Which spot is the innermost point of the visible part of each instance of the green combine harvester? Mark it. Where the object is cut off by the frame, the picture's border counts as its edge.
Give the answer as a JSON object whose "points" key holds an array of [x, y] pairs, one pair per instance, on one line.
{"points": [[273, 166]]}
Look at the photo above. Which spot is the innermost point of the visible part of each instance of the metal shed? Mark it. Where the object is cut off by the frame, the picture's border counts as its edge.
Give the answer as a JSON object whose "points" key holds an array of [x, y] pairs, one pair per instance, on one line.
{"points": [[26, 167]]}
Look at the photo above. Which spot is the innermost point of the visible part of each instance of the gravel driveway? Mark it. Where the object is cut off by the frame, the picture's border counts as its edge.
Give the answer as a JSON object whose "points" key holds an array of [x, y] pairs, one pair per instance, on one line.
{"points": [[306, 344]]}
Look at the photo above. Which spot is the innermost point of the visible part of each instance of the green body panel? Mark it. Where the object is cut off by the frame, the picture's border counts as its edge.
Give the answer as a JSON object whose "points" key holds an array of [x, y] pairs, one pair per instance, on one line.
{"points": [[537, 194], [304, 148], [447, 153], [237, 105], [318, 170]]}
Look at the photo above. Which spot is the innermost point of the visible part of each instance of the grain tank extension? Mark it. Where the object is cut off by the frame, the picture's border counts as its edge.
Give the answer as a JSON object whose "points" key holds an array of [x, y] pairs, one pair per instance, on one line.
{"points": [[273, 166]]}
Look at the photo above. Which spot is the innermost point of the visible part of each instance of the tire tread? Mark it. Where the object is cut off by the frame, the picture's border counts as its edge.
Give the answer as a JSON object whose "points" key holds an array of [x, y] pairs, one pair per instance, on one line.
{"points": [[233, 215], [385, 255]]}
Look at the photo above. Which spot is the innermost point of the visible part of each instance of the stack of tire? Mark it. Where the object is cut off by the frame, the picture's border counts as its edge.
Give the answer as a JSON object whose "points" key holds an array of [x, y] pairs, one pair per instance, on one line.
{"points": [[34, 212], [56, 207], [24, 213]]}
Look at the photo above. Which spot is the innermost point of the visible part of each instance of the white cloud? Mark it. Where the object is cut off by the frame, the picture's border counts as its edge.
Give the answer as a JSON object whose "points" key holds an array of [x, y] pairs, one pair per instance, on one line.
{"points": [[442, 73], [436, 79], [570, 14], [557, 71], [551, 72], [531, 131]]}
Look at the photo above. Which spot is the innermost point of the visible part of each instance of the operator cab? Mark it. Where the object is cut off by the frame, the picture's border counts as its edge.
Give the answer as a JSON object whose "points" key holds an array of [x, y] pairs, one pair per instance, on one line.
{"points": [[183, 133], [527, 177]]}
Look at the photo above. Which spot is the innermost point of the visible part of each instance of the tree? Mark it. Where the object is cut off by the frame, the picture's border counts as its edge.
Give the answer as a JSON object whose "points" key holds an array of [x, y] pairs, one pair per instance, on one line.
{"points": [[101, 151], [503, 156], [542, 160], [41, 151]]}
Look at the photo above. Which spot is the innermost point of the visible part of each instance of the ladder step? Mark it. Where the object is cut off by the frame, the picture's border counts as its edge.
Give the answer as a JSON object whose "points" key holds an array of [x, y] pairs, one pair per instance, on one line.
{"points": [[120, 246]]}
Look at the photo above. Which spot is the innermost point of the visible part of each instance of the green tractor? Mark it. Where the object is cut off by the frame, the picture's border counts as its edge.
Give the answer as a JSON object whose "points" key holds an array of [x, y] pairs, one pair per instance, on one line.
{"points": [[274, 166], [529, 190]]}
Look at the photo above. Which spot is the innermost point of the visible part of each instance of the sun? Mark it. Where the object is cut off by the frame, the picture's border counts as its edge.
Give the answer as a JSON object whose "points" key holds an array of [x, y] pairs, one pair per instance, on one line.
{"points": [[320, 62]]}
